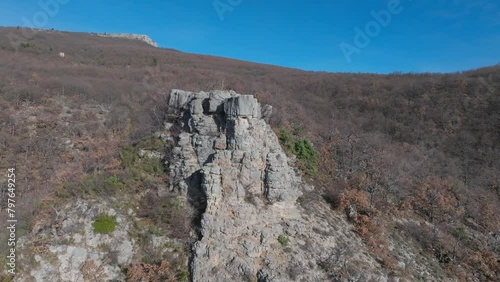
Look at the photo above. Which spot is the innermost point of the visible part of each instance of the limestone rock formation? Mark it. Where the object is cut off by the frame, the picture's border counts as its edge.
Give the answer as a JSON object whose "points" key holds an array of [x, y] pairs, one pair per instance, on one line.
{"points": [[224, 130], [73, 252], [229, 163], [140, 37]]}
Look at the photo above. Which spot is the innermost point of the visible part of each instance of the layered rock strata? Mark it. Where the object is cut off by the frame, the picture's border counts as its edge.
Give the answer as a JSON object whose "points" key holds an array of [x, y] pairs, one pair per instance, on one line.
{"points": [[229, 162]]}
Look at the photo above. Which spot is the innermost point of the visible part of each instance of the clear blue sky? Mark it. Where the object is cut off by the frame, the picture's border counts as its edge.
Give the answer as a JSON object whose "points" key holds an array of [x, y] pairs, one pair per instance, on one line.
{"points": [[421, 36]]}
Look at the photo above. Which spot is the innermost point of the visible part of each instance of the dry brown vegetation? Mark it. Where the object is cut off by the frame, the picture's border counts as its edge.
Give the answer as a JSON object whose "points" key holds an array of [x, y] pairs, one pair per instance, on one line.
{"points": [[417, 146]]}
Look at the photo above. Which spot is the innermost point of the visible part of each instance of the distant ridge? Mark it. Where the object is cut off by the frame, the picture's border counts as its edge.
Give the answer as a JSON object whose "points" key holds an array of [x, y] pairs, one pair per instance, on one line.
{"points": [[140, 37]]}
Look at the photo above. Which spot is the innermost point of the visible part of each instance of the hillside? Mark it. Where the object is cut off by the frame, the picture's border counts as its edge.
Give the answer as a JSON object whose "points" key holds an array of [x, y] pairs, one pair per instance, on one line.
{"points": [[412, 158]]}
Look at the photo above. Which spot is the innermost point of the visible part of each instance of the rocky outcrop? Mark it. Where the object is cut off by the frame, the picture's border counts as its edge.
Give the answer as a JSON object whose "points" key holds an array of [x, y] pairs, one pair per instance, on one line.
{"points": [[229, 163], [140, 37], [224, 130], [71, 251]]}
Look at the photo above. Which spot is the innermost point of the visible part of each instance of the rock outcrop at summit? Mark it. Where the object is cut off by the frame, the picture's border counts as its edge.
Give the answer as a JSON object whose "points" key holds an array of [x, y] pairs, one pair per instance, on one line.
{"points": [[140, 37], [229, 163]]}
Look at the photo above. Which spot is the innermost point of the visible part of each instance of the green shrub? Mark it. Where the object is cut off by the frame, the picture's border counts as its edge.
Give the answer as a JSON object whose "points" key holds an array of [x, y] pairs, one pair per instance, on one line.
{"points": [[283, 240], [152, 144], [306, 154], [151, 166], [101, 184], [113, 183], [303, 149], [130, 159], [285, 137], [460, 233], [128, 156], [104, 224], [182, 276], [89, 183]]}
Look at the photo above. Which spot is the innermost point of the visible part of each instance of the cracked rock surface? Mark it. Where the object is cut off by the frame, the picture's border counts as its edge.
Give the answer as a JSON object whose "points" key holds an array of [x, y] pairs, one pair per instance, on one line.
{"points": [[229, 163]]}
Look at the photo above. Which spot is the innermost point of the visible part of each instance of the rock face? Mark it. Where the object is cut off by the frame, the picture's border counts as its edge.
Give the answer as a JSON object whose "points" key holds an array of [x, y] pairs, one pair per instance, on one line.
{"points": [[73, 252], [229, 163], [224, 131]]}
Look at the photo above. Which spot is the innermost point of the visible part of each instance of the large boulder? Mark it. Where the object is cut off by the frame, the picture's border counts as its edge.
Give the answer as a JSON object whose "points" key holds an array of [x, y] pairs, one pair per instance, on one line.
{"points": [[242, 106], [179, 99]]}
